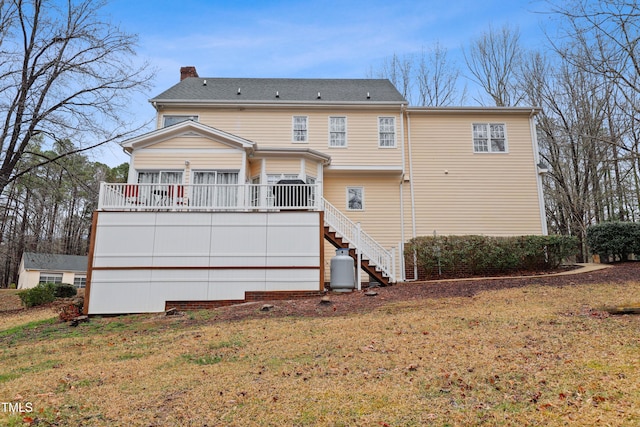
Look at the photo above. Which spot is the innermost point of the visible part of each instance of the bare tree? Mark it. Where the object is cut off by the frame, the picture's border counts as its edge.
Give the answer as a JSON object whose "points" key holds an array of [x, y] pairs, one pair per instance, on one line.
{"points": [[65, 74], [492, 60], [437, 79], [399, 72], [603, 38]]}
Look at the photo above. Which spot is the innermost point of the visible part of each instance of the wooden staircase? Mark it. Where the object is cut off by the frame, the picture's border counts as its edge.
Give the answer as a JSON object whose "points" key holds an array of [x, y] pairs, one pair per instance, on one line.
{"points": [[366, 265]]}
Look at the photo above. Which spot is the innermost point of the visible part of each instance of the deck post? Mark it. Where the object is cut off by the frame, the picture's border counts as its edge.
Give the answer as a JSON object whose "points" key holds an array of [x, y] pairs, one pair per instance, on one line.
{"points": [[393, 264], [358, 257]]}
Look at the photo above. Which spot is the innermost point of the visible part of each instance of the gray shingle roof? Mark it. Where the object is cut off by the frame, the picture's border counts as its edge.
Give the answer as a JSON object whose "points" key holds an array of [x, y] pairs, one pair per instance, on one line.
{"points": [[282, 90], [54, 262]]}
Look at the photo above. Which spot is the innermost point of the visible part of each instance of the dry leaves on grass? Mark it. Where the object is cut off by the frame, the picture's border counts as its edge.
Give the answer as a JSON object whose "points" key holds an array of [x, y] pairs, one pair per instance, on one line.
{"points": [[529, 355]]}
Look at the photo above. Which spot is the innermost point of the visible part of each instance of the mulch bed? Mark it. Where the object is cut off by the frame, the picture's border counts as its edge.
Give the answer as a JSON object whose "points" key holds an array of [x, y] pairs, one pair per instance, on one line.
{"points": [[359, 302]]}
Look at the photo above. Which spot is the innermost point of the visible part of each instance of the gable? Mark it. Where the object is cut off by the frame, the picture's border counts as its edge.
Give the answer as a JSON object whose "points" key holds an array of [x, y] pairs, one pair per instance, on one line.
{"points": [[188, 134], [189, 142]]}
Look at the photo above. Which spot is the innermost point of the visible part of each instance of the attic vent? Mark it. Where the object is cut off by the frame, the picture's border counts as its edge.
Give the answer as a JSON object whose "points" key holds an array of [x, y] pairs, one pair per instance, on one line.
{"points": [[277, 94], [368, 96], [319, 97], [239, 91]]}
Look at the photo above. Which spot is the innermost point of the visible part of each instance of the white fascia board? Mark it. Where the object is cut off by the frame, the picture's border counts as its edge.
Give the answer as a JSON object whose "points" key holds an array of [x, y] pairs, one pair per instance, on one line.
{"points": [[187, 128], [159, 104], [292, 152], [370, 168], [475, 110]]}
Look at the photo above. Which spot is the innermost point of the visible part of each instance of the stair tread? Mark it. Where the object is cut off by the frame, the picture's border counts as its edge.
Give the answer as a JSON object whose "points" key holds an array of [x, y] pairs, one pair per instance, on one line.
{"points": [[367, 265]]}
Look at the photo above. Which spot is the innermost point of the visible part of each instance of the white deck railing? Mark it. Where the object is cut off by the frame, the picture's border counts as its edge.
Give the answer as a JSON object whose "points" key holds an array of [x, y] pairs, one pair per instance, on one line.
{"points": [[245, 197], [361, 241], [226, 197]]}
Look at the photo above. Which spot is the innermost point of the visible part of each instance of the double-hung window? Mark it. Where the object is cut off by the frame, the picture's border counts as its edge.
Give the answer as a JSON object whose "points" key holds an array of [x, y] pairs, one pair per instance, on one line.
{"points": [[300, 128], [80, 281], [386, 132], [337, 131], [489, 138]]}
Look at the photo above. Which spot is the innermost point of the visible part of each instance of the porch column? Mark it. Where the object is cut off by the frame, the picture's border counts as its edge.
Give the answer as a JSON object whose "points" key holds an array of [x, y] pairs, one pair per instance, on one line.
{"points": [[263, 184], [320, 184]]}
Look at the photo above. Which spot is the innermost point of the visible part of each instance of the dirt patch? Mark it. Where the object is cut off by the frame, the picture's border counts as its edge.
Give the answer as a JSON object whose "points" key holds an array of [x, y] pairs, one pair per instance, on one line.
{"points": [[359, 302], [9, 300]]}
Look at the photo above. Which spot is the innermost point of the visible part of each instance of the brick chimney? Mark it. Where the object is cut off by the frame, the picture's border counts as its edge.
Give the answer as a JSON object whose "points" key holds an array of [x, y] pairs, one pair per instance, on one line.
{"points": [[186, 72]]}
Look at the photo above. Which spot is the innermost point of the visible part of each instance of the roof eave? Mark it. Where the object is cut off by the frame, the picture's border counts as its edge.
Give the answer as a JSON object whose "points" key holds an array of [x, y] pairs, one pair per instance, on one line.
{"points": [[168, 132], [295, 152], [284, 104], [476, 110]]}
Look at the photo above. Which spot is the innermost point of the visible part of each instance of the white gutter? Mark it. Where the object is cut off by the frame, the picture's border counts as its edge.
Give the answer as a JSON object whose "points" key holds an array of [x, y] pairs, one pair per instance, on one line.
{"points": [[168, 103]]}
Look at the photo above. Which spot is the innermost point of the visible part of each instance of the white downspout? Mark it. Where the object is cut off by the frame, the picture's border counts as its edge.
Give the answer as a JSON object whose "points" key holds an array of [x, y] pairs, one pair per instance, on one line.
{"points": [[402, 238], [411, 190]]}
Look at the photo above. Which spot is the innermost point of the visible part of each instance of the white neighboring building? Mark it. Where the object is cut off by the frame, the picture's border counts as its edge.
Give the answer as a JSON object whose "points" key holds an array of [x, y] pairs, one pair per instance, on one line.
{"points": [[52, 268]]}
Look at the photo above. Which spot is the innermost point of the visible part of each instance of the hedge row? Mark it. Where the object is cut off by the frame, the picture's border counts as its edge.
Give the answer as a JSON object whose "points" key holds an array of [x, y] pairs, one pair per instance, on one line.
{"points": [[45, 293], [460, 256], [614, 240]]}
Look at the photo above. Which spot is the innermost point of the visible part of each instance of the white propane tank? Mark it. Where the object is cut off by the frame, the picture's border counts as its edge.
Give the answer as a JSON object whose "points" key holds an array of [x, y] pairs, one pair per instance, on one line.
{"points": [[342, 272]]}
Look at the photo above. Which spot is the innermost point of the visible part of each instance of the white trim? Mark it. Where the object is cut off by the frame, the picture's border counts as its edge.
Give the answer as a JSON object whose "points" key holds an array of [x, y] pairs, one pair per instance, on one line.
{"points": [[242, 173], [263, 171], [536, 160], [378, 168], [132, 176], [320, 179], [475, 110], [319, 104], [296, 152], [346, 140], [192, 150], [488, 124], [347, 188], [395, 132], [179, 129], [293, 128]]}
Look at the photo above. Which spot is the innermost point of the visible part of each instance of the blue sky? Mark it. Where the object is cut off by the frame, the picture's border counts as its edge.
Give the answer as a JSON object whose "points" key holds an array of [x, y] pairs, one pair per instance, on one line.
{"points": [[311, 38]]}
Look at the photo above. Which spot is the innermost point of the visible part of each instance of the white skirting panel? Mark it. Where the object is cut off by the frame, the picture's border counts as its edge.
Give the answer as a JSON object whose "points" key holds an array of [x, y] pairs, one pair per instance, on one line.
{"points": [[143, 259]]}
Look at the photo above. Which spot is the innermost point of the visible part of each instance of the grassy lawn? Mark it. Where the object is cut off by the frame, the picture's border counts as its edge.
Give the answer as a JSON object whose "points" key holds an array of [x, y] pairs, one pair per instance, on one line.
{"points": [[517, 357]]}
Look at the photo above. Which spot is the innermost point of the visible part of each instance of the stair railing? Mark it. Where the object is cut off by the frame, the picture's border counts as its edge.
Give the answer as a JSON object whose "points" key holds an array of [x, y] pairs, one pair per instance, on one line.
{"points": [[360, 240]]}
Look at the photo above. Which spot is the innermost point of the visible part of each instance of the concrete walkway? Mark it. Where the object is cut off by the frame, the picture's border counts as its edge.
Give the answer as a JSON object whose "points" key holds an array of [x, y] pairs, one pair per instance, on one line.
{"points": [[584, 268]]}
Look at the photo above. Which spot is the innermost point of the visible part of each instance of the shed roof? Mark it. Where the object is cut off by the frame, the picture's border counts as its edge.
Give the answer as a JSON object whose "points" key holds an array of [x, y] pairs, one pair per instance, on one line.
{"points": [[276, 90], [54, 262]]}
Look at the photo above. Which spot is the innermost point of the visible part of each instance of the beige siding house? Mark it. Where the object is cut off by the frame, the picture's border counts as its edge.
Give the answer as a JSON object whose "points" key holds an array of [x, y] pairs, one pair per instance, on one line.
{"points": [[38, 268], [378, 171]]}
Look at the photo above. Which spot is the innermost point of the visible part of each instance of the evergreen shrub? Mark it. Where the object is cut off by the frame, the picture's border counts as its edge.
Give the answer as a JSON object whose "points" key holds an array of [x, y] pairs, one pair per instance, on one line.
{"points": [[43, 293], [474, 255], [614, 240]]}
